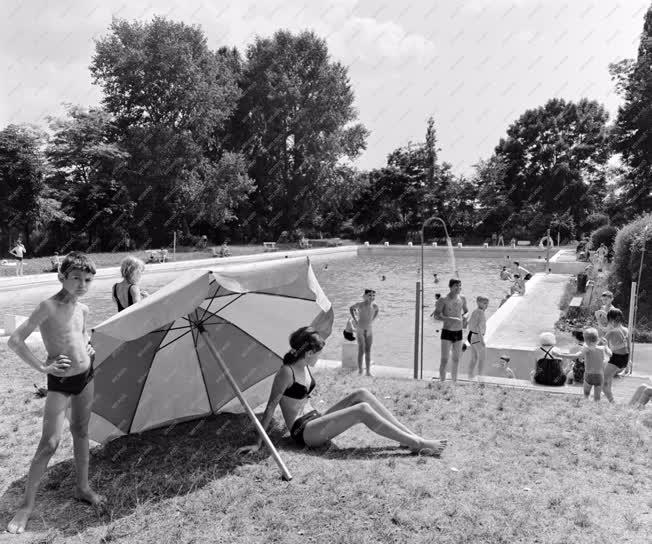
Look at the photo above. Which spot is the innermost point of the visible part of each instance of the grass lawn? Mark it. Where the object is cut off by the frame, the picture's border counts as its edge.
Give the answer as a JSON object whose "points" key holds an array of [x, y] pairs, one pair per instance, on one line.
{"points": [[521, 466], [38, 265]]}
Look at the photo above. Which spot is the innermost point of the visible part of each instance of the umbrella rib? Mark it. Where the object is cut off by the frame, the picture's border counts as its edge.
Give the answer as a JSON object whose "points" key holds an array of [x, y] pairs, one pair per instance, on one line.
{"points": [[171, 329], [201, 369], [173, 341], [281, 296], [206, 310], [226, 322], [211, 302]]}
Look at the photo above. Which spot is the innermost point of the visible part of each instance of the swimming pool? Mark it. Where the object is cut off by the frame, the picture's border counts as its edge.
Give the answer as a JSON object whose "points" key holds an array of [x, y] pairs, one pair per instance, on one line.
{"points": [[343, 279]]}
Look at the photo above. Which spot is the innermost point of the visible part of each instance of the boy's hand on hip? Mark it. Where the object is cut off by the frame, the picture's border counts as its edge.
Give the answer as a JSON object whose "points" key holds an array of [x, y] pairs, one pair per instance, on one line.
{"points": [[58, 365], [90, 349]]}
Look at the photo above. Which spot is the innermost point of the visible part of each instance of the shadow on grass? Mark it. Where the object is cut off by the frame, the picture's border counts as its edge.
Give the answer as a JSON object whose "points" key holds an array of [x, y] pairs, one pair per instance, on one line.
{"points": [[141, 468]]}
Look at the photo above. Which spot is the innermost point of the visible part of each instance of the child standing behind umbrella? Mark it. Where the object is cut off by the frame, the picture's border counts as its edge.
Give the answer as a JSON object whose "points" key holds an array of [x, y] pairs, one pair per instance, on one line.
{"points": [[128, 292]]}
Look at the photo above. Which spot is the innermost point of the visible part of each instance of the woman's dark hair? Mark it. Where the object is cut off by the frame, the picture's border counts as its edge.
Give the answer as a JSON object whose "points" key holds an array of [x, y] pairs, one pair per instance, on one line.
{"points": [[301, 341], [615, 315]]}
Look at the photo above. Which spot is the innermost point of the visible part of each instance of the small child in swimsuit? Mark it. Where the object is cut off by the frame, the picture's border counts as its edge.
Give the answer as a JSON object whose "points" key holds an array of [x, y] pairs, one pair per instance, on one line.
{"points": [[128, 292], [69, 368], [363, 315], [477, 329], [593, 356]]}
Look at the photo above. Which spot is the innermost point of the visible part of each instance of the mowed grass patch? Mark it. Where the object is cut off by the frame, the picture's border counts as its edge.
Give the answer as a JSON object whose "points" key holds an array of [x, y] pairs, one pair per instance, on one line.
{"points": [[521, 466]]}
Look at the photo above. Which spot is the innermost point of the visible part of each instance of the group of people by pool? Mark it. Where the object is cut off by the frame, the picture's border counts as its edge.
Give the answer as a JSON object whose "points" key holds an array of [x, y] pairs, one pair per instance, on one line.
{"points": [[69, 368]]}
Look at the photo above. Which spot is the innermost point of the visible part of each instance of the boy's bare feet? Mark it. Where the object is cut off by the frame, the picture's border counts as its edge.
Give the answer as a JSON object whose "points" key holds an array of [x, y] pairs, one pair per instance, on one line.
{"points": [[369, 374], [88, 496], [19, 521], [431, 447]]}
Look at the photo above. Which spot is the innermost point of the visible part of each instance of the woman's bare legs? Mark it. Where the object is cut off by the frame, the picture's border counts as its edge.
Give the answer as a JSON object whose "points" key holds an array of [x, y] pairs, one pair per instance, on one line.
{"points": [[340, 417], [364, 395], [319, 431]]}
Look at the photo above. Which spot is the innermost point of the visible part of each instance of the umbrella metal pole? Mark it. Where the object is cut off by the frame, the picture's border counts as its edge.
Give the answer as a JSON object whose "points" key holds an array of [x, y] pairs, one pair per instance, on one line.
{"points": [[250, 412]]}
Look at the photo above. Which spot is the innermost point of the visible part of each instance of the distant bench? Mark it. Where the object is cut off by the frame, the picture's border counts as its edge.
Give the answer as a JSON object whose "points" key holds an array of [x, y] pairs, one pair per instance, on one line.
{"points": [[325, 242], [523, 243], [269, 246]]}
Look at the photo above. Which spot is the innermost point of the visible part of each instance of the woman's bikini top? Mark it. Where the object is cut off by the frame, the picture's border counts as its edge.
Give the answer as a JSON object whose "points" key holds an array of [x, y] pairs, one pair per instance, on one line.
{"points": [[298, 390], [130, 299]]}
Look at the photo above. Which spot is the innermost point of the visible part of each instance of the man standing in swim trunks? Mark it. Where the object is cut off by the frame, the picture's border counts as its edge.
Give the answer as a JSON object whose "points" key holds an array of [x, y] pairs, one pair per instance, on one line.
{"points": [[452, 310], [363, 314]]}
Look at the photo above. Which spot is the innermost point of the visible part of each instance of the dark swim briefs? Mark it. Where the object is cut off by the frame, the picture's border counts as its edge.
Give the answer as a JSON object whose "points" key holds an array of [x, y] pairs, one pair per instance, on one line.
{"points": [[619, 359], [527, 276], [71, 385], [452, 336], [593, 379], [296, 432]]}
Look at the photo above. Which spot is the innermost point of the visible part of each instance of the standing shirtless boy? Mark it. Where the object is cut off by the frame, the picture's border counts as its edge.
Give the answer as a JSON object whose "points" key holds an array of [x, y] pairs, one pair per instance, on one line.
{"points": [[62, 321], [452, 310], [363, 315]]}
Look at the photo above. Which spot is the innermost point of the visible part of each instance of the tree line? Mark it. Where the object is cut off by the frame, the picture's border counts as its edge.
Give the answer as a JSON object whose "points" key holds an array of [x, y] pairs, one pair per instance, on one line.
{"points": [[260, 146]]}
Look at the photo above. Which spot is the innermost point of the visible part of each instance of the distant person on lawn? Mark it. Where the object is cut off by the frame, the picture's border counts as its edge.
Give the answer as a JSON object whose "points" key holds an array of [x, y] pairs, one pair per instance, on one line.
{"points": [[452, 310], [69, 368], [292, 387], [19, 251], [128, 292], [363, 314]]}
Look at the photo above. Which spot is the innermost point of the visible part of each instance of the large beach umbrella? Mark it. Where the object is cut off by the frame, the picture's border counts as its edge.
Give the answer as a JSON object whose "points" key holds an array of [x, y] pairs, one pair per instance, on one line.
{"points": [[206, 338]]}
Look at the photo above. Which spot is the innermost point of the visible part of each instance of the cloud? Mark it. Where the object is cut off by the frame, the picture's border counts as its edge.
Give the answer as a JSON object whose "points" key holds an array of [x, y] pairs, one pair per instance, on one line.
{"points": [[372, 42]]}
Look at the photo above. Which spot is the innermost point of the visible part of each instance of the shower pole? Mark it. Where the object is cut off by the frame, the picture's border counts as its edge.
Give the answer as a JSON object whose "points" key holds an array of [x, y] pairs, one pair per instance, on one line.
{"points": [[448, 242]]}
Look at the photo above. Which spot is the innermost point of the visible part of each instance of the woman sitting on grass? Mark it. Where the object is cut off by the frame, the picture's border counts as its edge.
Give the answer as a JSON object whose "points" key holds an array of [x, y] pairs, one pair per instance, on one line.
{"points": [[291, 389]]}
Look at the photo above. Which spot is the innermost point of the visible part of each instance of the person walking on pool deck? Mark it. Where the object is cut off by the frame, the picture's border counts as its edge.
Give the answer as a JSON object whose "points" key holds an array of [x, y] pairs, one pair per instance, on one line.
{"points": [[363, 315], [69, 367], [477, 329], [19, 251], [452, 310], [291, 389], [127, 292]]}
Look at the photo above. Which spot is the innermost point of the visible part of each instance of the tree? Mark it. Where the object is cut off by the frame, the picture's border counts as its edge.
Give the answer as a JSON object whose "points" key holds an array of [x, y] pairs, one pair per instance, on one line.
{"points": [[22, 169], [171, 97], [554, 158], [87, 167], [633, 128], [295, 121]]}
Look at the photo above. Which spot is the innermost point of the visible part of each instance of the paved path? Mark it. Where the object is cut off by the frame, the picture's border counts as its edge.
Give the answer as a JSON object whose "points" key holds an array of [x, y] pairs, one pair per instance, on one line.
{"points": [[526, 317]]}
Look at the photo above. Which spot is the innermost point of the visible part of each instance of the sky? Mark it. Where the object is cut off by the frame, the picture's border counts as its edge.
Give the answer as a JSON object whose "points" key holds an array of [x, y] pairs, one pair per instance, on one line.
{"points": [[474, 65]]}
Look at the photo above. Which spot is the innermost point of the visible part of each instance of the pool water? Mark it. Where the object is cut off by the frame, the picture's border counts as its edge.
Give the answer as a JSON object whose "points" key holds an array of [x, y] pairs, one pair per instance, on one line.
{"points": [[343, 279]]}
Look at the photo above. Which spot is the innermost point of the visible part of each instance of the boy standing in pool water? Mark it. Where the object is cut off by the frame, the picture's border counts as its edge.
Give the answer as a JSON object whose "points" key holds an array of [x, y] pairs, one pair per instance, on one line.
{"points": [[69, 368], [452, 310], [363, 315]]}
